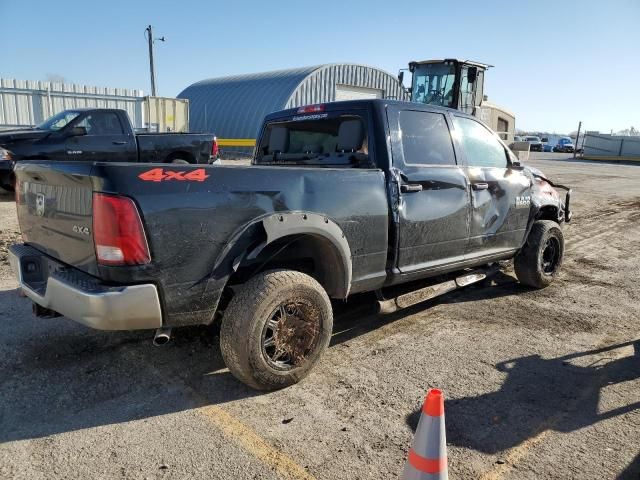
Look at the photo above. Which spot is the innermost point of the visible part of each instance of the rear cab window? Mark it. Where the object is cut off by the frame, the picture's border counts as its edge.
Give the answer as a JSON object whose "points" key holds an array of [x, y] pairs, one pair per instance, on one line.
{"points": [[324, 138]]}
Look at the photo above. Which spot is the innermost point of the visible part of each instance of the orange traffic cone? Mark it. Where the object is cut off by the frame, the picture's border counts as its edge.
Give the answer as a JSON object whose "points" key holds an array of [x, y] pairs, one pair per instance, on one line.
{"points": [[428, 454]]}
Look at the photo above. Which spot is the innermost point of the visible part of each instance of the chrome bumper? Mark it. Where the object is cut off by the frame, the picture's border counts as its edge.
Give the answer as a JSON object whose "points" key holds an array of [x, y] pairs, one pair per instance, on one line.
{"points": [[83, 298]]}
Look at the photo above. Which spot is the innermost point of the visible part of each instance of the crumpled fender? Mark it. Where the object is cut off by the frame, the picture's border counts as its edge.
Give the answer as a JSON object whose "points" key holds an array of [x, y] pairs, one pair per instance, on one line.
{"points": [[544, 195], [242, 246]]}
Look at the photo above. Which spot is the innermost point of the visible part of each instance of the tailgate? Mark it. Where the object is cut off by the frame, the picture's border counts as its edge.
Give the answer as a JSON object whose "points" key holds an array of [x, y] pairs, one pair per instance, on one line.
{"points": [[54, 203]]}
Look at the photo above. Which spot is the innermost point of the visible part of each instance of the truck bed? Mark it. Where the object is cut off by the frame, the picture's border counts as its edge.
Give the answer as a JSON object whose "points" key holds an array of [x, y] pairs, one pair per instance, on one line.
{"points": [[192, 214]]}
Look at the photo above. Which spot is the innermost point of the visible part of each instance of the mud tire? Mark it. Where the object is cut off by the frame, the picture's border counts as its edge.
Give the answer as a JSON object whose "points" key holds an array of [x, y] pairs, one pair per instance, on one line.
{"points": [[538, 264], [243, 322]]}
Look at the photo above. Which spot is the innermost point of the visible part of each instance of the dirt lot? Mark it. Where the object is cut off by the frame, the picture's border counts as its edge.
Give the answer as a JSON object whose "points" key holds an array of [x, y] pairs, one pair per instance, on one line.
{"points": [[539, 384]]}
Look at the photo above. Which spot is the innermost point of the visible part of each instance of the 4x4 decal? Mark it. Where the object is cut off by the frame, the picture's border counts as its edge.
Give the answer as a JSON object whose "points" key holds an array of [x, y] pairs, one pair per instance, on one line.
{"points": [[162, 175]]}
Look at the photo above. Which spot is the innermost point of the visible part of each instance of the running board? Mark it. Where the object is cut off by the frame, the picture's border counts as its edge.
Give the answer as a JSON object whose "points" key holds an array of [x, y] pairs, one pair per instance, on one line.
{"points": [[390, 305]]}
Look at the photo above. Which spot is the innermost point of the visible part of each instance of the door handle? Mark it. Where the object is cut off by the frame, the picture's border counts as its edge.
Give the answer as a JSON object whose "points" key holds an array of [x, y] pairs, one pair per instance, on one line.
{"points": [[480, 186], [119, 142], [410, 187]]}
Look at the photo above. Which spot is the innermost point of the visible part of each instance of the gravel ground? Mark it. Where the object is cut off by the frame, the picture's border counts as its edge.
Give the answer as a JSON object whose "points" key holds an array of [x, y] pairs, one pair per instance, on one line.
{"points": [[539, 384]]}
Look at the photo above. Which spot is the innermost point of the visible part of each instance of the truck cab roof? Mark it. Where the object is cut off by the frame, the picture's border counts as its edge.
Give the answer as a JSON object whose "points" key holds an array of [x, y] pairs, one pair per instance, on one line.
{"points": [[376, 103]]}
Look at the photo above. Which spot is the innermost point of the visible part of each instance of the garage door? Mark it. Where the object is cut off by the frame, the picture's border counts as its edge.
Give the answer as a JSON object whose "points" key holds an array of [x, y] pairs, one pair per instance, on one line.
{"points": [[350, 92]]}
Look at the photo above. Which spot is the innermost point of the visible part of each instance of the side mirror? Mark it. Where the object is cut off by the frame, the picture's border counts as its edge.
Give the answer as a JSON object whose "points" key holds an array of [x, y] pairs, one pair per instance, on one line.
{"points": [[77, 131]]}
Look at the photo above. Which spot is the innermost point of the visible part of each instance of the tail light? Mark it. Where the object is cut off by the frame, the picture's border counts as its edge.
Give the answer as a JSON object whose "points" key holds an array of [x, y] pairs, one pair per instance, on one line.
{"points": [[311, 108], [214, 148], [117, 231]]}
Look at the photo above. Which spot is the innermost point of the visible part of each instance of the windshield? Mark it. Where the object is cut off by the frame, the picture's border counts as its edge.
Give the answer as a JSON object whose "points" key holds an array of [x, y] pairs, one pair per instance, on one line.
{"points": [[326, 139], [58, 121], [433, 84], [533, 139]]}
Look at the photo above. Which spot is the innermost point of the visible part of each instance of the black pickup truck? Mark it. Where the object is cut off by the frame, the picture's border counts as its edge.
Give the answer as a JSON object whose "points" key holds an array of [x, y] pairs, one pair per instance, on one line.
{"points": [[341, 198], [99, 134]]}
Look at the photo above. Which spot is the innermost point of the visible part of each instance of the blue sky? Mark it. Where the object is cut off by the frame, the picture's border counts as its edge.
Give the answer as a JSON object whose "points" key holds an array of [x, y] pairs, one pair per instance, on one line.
{"points": [[556, 62]]}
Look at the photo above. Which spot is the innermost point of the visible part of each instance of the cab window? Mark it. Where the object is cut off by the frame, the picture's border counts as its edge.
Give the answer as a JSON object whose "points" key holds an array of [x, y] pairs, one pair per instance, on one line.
{"points": [[425, 139], [481, 146], [324, 139], [101, 123]]}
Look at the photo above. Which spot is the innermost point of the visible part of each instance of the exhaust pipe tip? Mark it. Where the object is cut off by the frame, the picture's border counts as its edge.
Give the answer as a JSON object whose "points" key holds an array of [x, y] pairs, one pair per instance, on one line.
{"points": [[162, 337]]}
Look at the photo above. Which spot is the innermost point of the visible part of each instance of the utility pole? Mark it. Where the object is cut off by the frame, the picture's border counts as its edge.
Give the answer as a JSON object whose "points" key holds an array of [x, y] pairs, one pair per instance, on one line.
{"points": [[151, 40], [575, 147]]}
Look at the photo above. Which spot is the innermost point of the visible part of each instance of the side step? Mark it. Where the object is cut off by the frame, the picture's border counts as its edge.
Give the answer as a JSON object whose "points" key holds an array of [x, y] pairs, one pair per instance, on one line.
{"points": [[390, 305]]}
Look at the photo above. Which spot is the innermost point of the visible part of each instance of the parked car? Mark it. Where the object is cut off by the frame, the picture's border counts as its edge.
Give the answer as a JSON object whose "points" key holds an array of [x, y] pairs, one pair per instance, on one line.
{"points": [[535, 144], [97, 134], [546, 144], [564, 145], [340, 198]]}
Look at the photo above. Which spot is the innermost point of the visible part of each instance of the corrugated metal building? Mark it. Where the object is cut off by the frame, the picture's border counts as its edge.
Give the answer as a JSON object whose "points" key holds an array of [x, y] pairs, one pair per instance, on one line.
{"points": [[233, 107], [25, 103], [611, 147]]}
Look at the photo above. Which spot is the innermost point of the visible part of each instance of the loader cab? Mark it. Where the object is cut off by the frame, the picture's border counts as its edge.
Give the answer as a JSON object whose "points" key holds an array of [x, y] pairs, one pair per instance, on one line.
{"points": [[452, 83]]}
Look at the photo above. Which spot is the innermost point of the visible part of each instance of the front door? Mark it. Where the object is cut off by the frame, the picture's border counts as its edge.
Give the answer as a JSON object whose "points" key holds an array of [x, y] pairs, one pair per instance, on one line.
{"points": [[434, 197], [500, 193], [105, 139]]}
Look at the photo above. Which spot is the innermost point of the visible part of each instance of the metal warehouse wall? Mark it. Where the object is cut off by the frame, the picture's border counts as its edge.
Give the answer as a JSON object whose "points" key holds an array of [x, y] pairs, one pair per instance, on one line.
{"points": [[25, 103], [611, 146], [234, 107]]}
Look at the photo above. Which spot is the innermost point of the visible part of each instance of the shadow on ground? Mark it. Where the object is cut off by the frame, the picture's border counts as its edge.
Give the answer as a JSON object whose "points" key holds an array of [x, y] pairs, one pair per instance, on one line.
{"points": [[632, 472], [58, 376], [560, 394]]}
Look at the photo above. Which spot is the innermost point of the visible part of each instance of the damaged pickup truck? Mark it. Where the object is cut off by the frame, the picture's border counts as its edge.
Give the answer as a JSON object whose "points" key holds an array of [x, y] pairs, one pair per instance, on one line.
{"points": [[340, 198]]}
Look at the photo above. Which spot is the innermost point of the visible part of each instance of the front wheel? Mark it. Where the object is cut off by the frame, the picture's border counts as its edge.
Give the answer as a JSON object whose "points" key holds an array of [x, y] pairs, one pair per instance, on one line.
{"points": [[538, 263], [275, 329]]}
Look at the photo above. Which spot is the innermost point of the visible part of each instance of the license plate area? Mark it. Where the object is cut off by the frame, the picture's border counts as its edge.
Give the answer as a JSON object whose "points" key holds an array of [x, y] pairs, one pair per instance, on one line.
{"points": [[35, 272]]}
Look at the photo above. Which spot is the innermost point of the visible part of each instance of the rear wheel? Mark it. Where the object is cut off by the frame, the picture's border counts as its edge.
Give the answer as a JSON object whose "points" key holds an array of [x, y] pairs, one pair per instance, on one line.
{"points": [[275, 329], [180, 161], [538, 263]]}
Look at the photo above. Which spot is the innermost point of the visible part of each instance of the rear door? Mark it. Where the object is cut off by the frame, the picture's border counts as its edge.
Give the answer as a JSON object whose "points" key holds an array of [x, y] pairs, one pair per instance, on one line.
{"points": [[105, 140], [434, 196], [500, 193]]}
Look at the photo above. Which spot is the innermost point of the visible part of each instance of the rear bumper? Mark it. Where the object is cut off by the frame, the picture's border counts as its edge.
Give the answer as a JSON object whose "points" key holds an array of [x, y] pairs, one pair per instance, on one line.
{"points": [[81, 297]]}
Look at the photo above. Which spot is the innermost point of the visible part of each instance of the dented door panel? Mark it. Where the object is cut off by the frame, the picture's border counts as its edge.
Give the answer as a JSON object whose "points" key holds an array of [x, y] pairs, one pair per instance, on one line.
{"points": [[499, 210]]}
